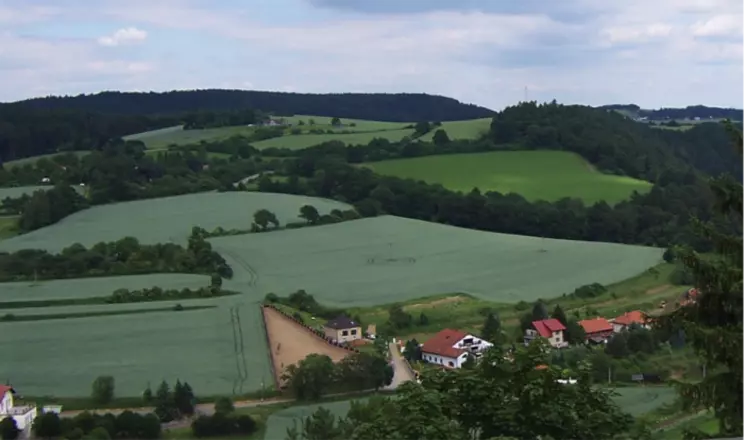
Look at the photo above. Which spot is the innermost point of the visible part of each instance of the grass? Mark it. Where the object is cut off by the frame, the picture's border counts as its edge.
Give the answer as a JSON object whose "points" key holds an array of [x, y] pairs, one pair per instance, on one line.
{"points": [[389, 259], [641, 400], [8, 226], [465, 130], [324, 122], [300, 141], [278, 422], [535, 175], [165, 219], [12, 318], [94, 300], [18, 191]]}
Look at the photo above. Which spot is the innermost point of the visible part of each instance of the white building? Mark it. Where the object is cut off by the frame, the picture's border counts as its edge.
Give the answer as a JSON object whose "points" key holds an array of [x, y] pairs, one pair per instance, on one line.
{"points": [[550, 329], [450, 348], [23, 415]]}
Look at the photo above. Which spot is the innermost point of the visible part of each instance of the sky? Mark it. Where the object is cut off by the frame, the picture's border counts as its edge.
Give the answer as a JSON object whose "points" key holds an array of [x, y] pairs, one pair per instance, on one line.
{"points": [[660, 53]]}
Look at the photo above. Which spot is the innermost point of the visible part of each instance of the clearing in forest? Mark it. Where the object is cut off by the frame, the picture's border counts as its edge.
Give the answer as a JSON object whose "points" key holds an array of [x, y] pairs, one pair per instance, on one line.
{"points": [[535, 175], [290, 342]]}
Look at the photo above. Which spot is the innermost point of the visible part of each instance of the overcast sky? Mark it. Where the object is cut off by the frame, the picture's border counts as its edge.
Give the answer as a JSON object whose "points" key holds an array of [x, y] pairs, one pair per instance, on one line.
{"points": [[650, 52]]}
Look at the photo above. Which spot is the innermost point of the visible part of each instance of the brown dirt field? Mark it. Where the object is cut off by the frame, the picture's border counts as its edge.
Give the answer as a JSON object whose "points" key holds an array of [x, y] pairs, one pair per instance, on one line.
{"points": [[435, 303], [290, 342]]}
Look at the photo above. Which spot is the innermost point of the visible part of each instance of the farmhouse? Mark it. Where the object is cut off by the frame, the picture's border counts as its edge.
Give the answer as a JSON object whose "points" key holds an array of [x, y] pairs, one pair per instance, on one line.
{"points": [[597, 330], [550, 329], [450, 348], [625, 320], [23, 415], [342, 329]]}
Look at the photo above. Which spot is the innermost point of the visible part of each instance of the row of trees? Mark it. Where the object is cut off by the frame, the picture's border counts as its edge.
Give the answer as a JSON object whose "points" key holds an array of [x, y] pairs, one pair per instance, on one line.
{"points": [[224, 422], [497, 398], [305, 302], [44, 207], [87, 426], [317, 375], [122, 257], [125, 296]]}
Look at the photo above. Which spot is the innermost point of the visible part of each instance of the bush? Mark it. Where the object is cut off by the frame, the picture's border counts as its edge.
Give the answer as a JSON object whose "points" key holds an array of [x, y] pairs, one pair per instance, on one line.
{"points": [[103, 389], [221, 424]]}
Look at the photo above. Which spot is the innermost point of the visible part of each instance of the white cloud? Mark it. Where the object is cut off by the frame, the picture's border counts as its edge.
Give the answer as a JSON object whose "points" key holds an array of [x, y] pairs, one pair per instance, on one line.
{"points": [[718, 26], [637, 34], [123, 36]]}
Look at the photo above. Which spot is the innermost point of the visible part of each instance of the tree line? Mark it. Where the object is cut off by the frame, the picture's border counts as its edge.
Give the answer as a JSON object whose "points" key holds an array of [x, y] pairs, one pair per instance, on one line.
{"points": [[45, 207], [126, 256]]}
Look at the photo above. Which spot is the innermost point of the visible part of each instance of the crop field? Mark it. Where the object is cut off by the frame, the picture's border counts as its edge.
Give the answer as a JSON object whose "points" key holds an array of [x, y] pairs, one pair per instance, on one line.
{"points": [[300, 141], [102, 286], [390, 259], [21, 190], [213, 350], [164, 219], [279, 421], [34, 159], [641, 400], [324, 122], [163, 138], [468, 129], [535, 175]]}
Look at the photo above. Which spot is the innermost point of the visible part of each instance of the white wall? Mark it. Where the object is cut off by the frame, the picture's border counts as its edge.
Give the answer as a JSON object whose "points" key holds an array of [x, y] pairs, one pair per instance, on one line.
{"points": [[444, 360], [483, 344], [7, 402]]}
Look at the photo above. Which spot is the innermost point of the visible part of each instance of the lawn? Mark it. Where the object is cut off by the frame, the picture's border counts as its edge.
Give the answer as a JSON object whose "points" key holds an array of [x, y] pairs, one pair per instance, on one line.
{"points": [[300, 141], [63, 357], [389, 259], [165, 219], [535, 175], [468, 129], [642, 400]]}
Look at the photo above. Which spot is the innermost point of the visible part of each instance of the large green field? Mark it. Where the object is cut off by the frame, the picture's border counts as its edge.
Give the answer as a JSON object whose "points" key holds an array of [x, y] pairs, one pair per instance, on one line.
{"points": [[467, 129], [535, 175], [389, 259], [165, 219], [300, 141]]}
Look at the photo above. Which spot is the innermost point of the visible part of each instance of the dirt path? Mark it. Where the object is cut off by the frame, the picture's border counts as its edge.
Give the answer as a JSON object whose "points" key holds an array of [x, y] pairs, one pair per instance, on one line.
{"points": [[290, 342]]}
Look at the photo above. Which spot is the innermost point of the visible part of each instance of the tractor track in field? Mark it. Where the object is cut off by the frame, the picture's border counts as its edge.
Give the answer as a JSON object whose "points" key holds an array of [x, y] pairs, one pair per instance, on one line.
{"points": [[252, 273]]}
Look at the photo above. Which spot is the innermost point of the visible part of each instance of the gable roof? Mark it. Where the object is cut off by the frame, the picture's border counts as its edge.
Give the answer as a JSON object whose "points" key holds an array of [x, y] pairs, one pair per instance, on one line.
{"points": [[341, 322], [5, 389], [634, 317], [596, 325], [442, 343], [546, 327]]}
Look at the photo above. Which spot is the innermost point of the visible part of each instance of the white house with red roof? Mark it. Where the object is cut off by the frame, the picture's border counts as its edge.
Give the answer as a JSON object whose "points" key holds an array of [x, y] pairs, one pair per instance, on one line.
{"points": [[597, 330], [23, 415], [550, 329], [450, 348]]}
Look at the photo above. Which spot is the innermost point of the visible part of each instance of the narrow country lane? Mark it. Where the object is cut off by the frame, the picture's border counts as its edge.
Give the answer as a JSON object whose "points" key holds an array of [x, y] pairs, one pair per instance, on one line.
{"points": [[402, 372]]}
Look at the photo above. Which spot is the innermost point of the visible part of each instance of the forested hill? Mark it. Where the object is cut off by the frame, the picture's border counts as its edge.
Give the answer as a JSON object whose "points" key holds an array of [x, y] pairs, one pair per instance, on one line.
{"points": [[614, 143], [689, 112], [399, 107]]}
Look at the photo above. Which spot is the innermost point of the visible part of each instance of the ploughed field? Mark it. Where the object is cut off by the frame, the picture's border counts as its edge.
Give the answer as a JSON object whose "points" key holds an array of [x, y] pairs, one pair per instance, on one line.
{"points": [[535, 175]]}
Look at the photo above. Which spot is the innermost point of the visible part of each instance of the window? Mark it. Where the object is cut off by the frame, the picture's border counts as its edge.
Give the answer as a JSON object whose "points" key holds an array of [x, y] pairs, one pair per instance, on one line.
{"points": [[353, 332], [451, 364], [345, 333]]}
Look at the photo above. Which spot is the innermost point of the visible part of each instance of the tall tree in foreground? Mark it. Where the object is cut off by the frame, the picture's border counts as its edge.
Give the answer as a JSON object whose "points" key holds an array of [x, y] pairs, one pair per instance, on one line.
{"points": [[713, 323]]}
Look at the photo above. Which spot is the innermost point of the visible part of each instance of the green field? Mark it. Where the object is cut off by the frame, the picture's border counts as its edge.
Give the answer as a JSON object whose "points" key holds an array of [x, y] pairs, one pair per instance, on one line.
{"points": [[468, 129], [324, 122], [165, 219], [389, 259], [18, 191], [535, 175], [300, 141], [32, 160], [642, 400]]}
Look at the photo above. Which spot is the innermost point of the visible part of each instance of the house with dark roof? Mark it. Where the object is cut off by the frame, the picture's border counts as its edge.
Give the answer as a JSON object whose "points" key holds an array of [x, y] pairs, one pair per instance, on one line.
{"points": [[627, 319], [343, 329], [550, 329], [597, 330], [450, 348]]}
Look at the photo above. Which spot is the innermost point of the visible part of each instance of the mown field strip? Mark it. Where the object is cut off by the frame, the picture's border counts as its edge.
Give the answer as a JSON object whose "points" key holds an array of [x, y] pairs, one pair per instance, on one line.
{"points": [[165, 219], [389, 259]]}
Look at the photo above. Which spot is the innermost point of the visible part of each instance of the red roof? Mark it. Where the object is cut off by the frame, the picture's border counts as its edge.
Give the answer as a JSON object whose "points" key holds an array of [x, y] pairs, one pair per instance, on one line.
{"points": [[442, 343], [634, 317], [596, 325], [4, 389], [546, 327]]}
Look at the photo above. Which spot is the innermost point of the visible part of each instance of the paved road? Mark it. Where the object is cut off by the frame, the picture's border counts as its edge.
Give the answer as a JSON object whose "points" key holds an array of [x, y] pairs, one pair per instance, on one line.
{"points": [[402, 372]]}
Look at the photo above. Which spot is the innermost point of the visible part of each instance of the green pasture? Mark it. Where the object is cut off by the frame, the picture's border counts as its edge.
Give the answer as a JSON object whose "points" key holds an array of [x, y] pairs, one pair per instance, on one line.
{"points": [[18, 191], [535, 175], [33, 159], [165, 219], [91, 287], [61, 358], [300, 141], [464, 130], [641, 400], [389, 259]]}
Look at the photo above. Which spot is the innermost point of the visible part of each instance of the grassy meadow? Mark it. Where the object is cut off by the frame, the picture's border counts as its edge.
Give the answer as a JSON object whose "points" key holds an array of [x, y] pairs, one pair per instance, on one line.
{"points": [[535, 175], [467, 129], [389, 259], [165, 219]]}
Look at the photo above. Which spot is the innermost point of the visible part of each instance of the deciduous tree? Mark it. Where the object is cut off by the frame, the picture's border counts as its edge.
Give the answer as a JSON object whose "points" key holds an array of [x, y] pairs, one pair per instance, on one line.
{"points": [[103, 389], [9, 429], [309, 213]]}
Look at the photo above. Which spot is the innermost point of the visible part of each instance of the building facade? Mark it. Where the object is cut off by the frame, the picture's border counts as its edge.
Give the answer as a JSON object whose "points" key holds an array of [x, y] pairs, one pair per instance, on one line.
{"points": [[23, 415], [342, 329], [451, 348], [550, 329]]}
